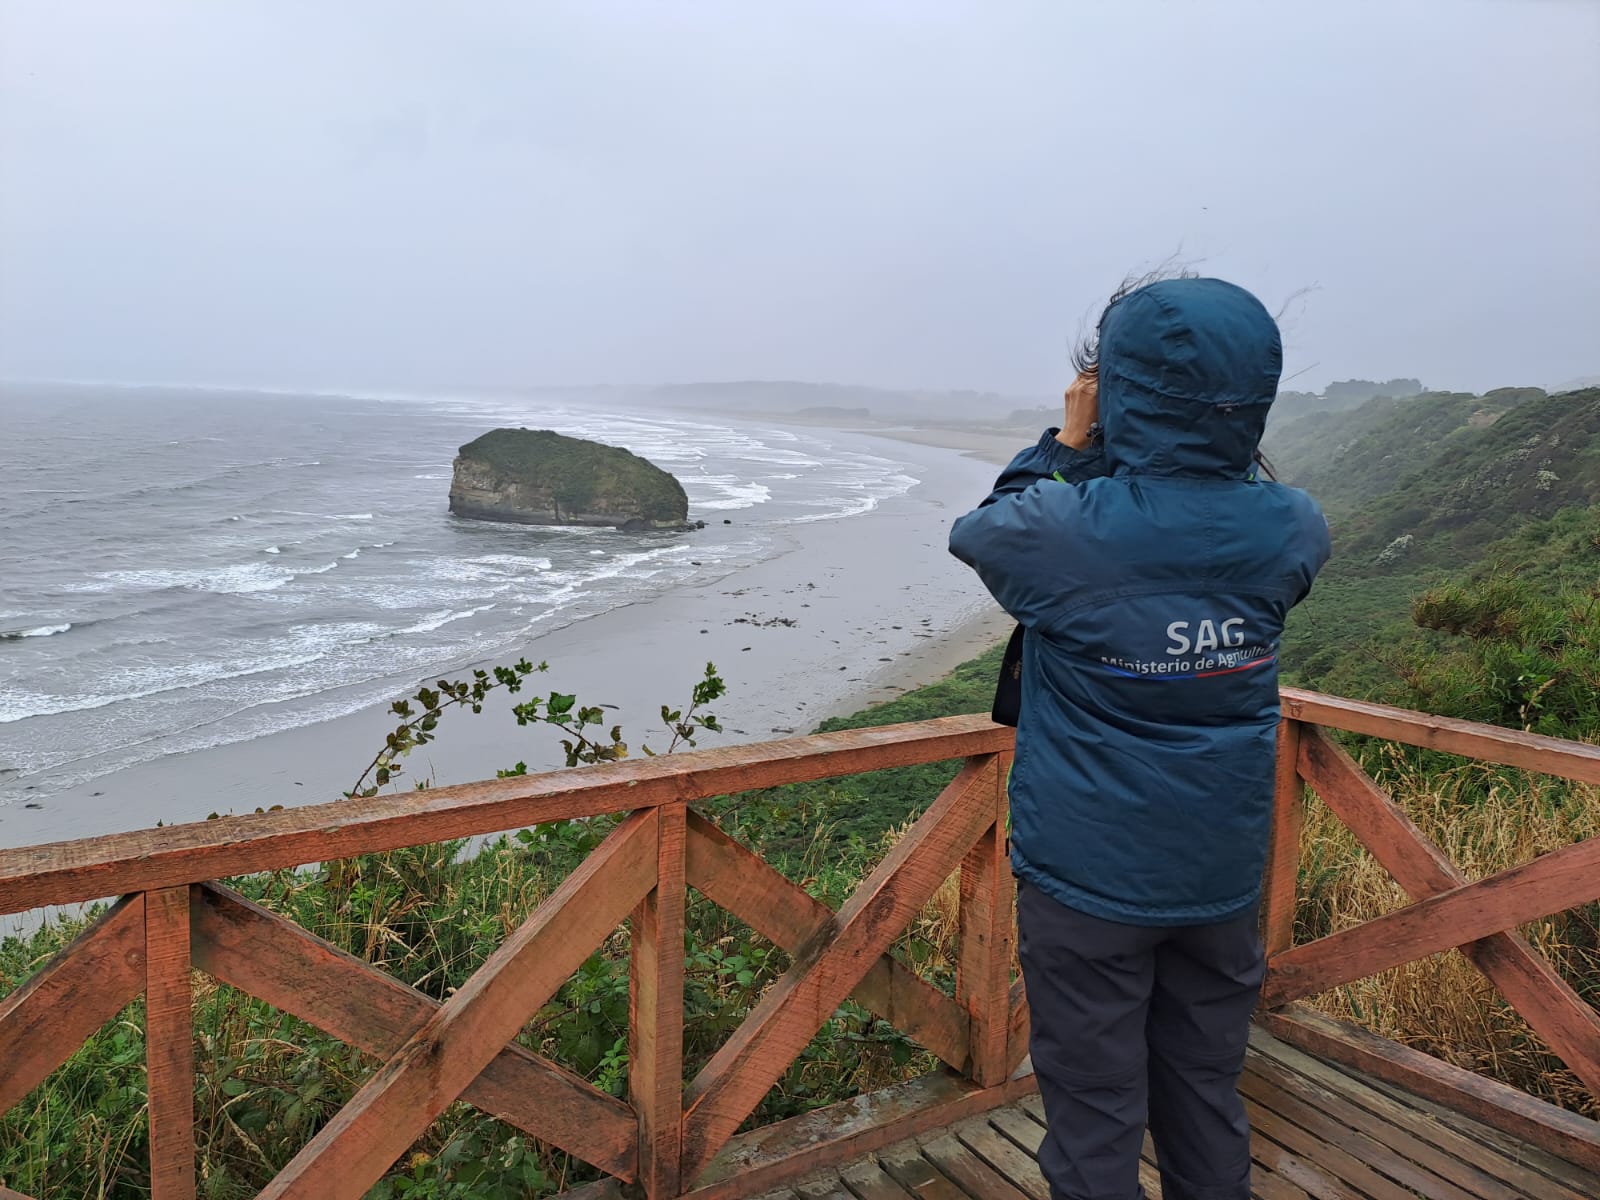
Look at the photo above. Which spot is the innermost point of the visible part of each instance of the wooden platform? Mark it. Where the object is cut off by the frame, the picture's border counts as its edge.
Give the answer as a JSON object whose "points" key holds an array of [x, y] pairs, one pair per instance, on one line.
{"points": [[1320, 1131]]}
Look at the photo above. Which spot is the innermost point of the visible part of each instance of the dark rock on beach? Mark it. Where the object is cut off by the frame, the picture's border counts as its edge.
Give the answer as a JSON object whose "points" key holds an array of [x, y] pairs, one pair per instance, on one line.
{"points": [[539, 477]]}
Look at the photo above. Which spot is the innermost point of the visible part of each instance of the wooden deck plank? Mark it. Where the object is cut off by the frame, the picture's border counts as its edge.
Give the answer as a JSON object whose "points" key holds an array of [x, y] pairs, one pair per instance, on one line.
{"points": [[1574, 1138], [1315, 1180], [1265, 1185], [967, 1170], [1507, 1151], [1400, 1129], [1488, 1151], [866, 1180], [905, 1164], [827, 1186], [1020, 1168], [1350, 1175], [1027, 1133], [1360, 1144]]}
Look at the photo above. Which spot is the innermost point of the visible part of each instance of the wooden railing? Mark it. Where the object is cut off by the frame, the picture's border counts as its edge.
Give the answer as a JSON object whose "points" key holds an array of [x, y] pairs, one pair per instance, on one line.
{"points": [[675, 1138], [1447, 911]]}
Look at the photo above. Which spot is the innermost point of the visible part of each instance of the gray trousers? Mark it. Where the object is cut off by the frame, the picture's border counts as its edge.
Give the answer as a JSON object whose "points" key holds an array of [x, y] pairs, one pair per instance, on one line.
{"points": [[1132, 1026]]}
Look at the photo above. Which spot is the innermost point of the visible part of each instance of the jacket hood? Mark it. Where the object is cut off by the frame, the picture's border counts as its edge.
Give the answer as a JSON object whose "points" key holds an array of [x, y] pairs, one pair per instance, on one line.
{"points": [[1188, 370]]}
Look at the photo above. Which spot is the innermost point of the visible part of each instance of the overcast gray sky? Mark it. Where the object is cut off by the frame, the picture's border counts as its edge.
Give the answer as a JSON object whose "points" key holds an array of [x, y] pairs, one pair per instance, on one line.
{"points": [[419, 195]]}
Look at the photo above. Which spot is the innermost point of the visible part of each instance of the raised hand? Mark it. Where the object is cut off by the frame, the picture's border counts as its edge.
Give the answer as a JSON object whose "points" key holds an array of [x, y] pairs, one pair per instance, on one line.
{"points": [[1082, 411]]}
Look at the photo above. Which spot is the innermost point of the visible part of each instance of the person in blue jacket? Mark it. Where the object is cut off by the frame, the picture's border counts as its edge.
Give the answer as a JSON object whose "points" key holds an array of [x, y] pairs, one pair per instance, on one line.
{"points": [[1151, 566]]}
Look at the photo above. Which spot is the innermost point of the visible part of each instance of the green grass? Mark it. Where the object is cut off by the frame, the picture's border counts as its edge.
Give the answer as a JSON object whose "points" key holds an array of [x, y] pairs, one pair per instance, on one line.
{"points": [[1423, 492], [1365, 636], [1453, 472], [1350, 457], [859, 810]]}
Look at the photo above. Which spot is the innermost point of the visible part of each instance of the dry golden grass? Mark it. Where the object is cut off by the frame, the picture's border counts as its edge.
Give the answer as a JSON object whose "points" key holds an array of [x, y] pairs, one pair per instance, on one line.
{"points": [[940, 921], [934, 935], [1485, 819]]}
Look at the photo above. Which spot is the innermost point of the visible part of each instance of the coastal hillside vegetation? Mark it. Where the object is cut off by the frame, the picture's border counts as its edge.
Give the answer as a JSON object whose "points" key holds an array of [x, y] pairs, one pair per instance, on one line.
{"points": [[1491, 612], [1350, 457], [1418, 490]]}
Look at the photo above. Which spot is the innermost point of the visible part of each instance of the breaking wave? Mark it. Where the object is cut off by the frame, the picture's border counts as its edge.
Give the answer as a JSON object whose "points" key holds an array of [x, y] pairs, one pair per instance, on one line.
{"points": [[14, 635]]}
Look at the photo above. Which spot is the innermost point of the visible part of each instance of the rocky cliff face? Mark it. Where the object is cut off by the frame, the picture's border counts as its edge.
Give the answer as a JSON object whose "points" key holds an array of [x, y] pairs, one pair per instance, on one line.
{"points": [[538, 477]]}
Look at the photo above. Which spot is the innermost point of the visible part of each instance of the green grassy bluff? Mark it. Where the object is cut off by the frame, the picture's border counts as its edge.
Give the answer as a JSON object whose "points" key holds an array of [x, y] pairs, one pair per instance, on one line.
{"points": [[539, 477]]}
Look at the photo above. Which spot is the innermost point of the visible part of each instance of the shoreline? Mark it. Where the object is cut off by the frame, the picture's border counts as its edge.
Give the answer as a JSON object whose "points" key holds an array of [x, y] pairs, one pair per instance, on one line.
{"points": [[977, 634], [845, 614], [996, 449]]}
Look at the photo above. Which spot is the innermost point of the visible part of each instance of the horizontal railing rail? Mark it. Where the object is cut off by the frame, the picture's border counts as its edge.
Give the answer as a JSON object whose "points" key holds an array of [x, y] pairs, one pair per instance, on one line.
{"points": [[92, 868], [1486, 743], [670, 1134]]}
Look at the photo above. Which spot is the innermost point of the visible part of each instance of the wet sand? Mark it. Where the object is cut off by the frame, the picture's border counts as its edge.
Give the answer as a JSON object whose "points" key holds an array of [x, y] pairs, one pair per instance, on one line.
{"points": [[996, 448]]}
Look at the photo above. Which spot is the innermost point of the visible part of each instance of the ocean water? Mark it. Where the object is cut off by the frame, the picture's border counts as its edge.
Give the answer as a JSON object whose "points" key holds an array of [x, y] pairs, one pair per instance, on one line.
{"points": [[184, 568]]}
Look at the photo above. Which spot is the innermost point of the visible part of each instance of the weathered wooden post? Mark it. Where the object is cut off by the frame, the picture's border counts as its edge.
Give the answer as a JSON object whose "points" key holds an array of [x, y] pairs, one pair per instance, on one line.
{"points": [[655, 1003], [987, 931]]}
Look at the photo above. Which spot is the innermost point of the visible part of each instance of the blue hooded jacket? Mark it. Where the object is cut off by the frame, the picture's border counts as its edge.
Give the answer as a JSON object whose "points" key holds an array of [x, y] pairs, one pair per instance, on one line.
{"points": [[1152, 574]]}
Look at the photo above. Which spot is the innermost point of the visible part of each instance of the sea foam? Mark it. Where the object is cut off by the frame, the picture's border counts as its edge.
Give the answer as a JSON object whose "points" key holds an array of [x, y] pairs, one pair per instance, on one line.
{"points": [[12, 635]]}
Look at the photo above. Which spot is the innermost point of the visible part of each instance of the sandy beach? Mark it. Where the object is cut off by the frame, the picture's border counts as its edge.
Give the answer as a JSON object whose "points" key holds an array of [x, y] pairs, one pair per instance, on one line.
{"points": [[847, 612], [981, 444]]}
